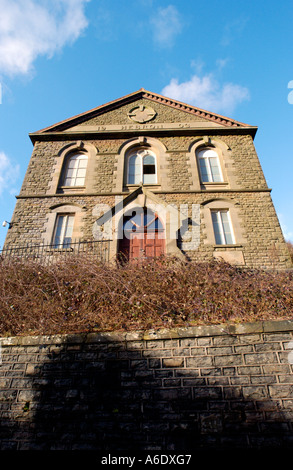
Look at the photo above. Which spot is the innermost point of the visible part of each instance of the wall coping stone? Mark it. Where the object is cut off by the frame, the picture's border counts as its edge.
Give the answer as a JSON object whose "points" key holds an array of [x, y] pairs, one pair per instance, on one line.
{"points": [[228, 329]]}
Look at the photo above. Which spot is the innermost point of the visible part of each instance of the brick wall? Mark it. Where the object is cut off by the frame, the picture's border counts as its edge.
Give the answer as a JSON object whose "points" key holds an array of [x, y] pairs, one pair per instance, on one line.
{"points": [[205, 387]]}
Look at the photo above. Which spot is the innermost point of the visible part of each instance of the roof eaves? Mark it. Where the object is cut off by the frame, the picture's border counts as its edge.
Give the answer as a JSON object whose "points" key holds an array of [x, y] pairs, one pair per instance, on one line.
{"points": [[93, 111], [193, 110]]}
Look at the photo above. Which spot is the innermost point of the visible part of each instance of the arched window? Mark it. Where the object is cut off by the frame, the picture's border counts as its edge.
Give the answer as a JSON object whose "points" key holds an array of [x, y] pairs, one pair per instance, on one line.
{"points": [[75, 170], [143, 235], [222, 227], [209, 166], [143, 221], [142, 167], [63, 230], [222, 222]]}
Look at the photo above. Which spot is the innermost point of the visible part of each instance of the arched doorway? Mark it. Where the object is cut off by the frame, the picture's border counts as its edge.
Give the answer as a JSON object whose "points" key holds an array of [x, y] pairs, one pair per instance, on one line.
{"points": [[143, 236]]}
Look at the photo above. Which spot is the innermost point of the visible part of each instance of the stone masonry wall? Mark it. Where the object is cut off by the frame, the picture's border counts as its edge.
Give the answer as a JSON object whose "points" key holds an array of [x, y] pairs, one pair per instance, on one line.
{"points": [[259, 242], [209, 387], [246, 165], [260, 228]]}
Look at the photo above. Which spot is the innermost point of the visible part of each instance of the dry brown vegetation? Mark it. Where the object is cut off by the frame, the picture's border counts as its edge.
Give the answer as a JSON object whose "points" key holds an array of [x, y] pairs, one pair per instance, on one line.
{"points": [[81, 295]]}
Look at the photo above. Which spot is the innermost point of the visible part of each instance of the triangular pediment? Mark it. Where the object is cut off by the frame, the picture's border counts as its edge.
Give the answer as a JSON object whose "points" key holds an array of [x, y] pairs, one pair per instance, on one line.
{"points": [[141, 110], [140, 195]]}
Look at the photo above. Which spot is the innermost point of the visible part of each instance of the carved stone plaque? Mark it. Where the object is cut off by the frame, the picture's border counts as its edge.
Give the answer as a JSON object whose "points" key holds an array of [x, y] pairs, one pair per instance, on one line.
{"points": [[142, 114]]}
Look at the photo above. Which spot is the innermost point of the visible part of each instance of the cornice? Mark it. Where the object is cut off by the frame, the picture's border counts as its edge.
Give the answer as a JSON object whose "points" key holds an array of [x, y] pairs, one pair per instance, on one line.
{"points": [[127, 133], [124, 193]]}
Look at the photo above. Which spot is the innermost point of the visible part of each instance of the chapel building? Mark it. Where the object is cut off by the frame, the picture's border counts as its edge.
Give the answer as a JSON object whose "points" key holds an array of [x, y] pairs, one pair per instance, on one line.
{"points": [[145, 176]]}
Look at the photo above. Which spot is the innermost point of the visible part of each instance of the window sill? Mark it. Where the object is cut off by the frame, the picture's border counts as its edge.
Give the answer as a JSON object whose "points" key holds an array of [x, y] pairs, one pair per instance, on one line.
{"points": [[212, 185], [233, 245], [134, 186], [70, 189]]}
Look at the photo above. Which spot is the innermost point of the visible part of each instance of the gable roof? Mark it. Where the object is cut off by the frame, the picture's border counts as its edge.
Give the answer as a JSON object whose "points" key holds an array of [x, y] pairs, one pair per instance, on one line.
{"points": [[214, 118]]}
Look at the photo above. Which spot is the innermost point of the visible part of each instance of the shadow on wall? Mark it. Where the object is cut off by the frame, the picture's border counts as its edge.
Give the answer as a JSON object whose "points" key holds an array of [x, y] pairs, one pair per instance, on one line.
{"points": [[162, 395]]}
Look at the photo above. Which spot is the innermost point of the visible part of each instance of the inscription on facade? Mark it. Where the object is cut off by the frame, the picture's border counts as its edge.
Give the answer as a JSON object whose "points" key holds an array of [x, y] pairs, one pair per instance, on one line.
{"points": [[146, 126]]}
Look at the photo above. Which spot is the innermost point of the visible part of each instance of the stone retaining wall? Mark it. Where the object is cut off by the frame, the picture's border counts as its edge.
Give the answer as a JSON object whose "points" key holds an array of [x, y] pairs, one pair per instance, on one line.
{"points": [[210, 387]]}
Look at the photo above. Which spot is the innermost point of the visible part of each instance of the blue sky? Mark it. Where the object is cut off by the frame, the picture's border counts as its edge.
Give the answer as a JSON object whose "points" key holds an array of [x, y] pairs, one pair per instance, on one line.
{"points": [[59, 58]]}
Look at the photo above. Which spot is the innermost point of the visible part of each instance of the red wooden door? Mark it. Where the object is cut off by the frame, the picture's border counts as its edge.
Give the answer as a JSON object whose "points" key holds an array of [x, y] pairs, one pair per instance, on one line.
{"points": [[144, 237]]}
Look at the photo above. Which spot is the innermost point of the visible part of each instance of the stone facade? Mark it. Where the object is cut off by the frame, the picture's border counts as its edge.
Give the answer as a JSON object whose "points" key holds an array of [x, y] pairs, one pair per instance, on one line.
{"points": [[175, 133], [224, 387]]}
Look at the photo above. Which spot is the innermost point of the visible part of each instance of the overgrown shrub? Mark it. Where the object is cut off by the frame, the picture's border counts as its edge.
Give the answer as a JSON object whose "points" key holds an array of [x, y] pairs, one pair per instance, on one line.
{"points": [[80, 294]]}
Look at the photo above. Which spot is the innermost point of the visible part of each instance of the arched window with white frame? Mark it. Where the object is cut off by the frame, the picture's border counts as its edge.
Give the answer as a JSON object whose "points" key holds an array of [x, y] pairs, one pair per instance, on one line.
{"points": [[222, 225], [75, 170], [63, 230], [209, 166], [142, 167]]}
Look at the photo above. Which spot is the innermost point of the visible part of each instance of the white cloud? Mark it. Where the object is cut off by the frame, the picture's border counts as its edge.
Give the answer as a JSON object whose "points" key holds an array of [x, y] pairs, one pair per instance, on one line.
{"points": [[222, 63], [33, 28], [9, 174], [207, 93], [233, 30], [166, 26]]}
